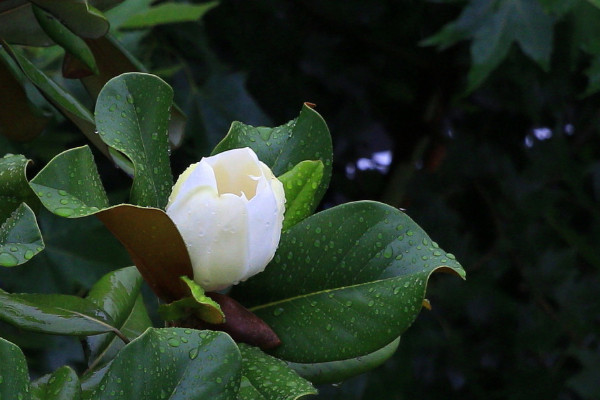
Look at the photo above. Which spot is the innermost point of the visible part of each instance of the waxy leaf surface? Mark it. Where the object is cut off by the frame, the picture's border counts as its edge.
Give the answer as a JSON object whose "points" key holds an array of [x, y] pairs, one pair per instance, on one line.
{"points": [[14, 378], [173, 363], [117, 293], [272, 378], [345, 282], [62, 384], [20, 237], [301, 184], [14, 188], [54, 314], [132, 114]]}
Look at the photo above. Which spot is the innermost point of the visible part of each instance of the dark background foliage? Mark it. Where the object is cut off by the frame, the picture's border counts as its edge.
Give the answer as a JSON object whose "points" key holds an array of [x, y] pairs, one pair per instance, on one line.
{"points": [[490, 142], [505, 175]]}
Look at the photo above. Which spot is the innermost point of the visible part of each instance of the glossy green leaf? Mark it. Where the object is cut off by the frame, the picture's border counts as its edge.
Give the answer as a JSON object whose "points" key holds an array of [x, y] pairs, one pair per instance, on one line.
{"points": [[54, 314], [59, 97], [112, 60], [20, 237], [77, 16], [272, 378], [62, 36], [248, 392], [301, 184], [117, 293], [132, 113], [69, 185], [198, 303], [304, 138], [173, 363], [62, 384], [345, 282], [20, 119], [91, 379], [78, 252], [168, 13], [14, 378], [14, 188], [338, 371]]}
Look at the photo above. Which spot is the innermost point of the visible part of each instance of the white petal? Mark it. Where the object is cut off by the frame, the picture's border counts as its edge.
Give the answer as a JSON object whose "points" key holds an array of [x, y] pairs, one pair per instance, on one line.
{"points": [[215, 230]]}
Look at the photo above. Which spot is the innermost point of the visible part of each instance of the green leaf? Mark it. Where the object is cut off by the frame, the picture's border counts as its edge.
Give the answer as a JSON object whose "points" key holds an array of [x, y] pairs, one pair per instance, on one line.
{"points": [[72, 43], [305, 138], [345, 282], [118, 293], [54, 314], [69, 185], [493, 27], [113, 59], [62, 384], [301, 184], [271, 377], [248, 392], [78, 252], [174, 363], [168, 13], [198, 303], [338, 371], [20, 237], [132, 113], [59, 97], [14, 378], [14, 188], [77, 16]]}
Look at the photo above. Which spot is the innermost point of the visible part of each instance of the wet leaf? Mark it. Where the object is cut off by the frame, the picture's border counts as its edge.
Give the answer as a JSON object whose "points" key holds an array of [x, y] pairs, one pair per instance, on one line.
{"points": [[62, 384], [14, 378], [118, 293], [132, 114], [338, 371], [54, 314], [281, 148], [20, 237], [272, 378], [112, 60], [345, 282], [300, 185], [168, 13], [248, 392], [196, 303], [69, 185], [173, 363], [14, 188], [78, 252]]}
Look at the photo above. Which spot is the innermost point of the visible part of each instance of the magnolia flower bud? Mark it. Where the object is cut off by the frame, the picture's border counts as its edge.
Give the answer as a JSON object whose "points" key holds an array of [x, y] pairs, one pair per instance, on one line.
{"points": [[229, 211]]}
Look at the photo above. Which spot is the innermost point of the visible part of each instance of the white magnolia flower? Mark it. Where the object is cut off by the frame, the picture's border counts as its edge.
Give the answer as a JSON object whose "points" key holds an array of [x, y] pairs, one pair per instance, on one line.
{"points": [[229, 211]]}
